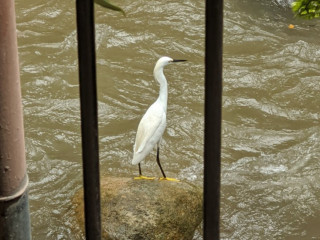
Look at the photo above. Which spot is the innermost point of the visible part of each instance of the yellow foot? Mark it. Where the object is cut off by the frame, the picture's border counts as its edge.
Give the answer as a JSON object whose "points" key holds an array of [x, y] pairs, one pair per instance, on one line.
{"points": [[170, 179], [143, 178]]}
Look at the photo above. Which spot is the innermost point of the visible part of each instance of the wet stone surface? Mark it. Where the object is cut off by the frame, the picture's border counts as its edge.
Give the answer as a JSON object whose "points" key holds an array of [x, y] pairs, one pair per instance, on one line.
{"points": [[147, 209]]}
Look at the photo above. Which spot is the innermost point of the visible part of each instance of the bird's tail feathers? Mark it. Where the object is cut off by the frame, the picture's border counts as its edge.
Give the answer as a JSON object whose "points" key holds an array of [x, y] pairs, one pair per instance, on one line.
{"points": [[137, 158]]}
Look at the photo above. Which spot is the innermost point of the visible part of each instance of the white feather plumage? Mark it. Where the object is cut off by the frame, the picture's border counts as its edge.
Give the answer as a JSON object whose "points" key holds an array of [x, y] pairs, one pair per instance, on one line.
{"points": [[153, 122]]}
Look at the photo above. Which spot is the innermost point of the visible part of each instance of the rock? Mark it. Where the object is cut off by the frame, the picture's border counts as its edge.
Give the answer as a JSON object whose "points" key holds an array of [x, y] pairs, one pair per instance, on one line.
{"points": [[146, 209]]}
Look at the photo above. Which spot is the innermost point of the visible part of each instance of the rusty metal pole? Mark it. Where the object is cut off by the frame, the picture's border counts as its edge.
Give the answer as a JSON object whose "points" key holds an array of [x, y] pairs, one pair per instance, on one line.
{"points": [[14, 208]]}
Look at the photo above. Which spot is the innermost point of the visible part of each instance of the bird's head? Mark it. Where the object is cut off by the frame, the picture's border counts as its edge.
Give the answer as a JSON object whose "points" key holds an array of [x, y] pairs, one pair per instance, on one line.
{"points": [[164, 61]]}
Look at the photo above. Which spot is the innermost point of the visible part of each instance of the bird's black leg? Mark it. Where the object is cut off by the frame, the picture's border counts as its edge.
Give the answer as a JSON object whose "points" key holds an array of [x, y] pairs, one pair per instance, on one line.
{"points": [[158, 161], [140, 174], [164, 175], [142, 177]]}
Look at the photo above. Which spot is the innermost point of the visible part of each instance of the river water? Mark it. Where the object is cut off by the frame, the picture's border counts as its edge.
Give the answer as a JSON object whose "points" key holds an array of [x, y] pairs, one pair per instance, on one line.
{"points": [[270, 136]]}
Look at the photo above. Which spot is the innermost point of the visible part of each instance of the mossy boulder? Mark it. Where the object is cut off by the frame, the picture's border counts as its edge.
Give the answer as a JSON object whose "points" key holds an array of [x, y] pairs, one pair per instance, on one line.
{"points": [[146, 209]]}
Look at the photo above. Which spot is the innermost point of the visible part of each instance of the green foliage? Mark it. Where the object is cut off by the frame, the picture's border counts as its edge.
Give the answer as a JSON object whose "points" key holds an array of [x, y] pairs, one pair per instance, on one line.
{"points": [[308, 9], [107, 4]]}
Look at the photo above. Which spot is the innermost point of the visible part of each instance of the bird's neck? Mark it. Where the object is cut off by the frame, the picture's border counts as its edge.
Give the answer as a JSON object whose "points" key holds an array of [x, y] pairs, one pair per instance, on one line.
{"points": [[163, 94]]}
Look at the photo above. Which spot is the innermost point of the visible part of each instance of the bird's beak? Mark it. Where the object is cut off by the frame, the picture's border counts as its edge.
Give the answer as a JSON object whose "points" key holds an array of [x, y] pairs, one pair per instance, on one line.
{"points": [[178, 60]]}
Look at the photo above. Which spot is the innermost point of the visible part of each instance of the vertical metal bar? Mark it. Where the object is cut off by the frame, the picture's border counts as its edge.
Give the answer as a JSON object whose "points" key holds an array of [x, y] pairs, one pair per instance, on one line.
{"points": [[213, 103], [89, 119], [14, 208]]}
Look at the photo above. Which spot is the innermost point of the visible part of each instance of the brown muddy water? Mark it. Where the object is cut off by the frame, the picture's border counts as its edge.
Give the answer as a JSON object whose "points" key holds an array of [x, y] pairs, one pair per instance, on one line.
{"points": [[270, 136]]}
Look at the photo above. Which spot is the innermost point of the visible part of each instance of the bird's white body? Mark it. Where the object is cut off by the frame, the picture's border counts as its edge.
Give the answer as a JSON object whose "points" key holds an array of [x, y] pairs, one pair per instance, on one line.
{"points": [[150, 131], [153, 123]]}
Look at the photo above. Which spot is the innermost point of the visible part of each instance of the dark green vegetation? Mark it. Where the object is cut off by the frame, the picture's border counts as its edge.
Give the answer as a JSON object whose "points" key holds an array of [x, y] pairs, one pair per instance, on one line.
{"points": [[308, 9], [107, 4]]}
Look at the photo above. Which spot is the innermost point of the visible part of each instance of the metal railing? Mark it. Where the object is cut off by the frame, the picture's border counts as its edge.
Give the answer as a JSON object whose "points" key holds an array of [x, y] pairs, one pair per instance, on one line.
{"points": [[213, 98], [89, 117], [89, 122]]}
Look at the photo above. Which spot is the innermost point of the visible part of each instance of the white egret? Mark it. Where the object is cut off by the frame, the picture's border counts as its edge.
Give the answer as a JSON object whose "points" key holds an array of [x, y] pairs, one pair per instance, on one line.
{"points": [[153, 123]]}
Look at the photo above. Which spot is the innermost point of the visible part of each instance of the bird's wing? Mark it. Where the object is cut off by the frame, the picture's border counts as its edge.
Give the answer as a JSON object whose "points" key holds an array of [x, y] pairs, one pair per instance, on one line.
{"points": [[148, 126]]}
